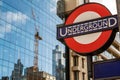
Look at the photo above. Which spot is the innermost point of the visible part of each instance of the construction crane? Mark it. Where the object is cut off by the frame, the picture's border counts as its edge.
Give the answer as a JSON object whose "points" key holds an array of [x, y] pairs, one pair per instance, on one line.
{"points": [[36, 44]]}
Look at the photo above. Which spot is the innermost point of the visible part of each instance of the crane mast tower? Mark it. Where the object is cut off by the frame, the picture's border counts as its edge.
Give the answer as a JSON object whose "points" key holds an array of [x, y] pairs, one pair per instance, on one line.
{"points": [[36, 44]]}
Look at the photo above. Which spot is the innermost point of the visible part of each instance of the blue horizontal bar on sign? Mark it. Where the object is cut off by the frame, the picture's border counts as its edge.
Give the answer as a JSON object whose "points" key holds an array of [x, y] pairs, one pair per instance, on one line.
{"points": [[106, 69]]}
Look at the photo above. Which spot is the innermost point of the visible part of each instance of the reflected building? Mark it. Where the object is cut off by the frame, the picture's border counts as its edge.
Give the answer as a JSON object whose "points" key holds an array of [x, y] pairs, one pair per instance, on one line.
{"points": [[60, 71], [18, 70], [57, 54], [58, 66], [17, 30], [5, 78], [38, 75]]}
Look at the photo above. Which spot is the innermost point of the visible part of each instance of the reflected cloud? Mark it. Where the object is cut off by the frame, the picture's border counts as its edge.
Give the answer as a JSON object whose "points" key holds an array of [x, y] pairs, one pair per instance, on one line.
{"points": [[11, 17], [5, 29], [16, 17], [53, 9]]}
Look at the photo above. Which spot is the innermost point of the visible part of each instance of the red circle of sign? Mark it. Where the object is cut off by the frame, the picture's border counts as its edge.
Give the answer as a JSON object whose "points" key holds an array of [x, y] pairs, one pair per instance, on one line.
{"points": [[103, 38]]}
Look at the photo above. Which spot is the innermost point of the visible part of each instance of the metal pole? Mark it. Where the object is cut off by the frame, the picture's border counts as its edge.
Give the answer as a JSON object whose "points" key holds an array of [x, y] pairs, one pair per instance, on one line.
{"points": [[89, 58], [67, 70], [89, 66]]}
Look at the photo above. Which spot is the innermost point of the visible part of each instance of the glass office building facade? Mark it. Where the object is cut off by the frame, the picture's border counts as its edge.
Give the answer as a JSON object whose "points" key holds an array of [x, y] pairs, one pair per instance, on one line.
{"points": [[18, 19]]}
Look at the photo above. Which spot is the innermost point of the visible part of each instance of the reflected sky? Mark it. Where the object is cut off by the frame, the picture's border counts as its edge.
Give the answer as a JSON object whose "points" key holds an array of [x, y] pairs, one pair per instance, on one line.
{"points": [[17, 29]]}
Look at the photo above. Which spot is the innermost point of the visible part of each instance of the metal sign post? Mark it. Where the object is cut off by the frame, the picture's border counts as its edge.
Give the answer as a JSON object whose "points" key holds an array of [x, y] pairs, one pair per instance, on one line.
{"points": [[89, 58], [89, 66], [67, 68]]}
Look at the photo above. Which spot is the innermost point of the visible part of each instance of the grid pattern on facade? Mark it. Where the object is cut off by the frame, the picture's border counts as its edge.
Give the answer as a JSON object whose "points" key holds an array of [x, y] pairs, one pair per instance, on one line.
{"points": [[17, 29]]}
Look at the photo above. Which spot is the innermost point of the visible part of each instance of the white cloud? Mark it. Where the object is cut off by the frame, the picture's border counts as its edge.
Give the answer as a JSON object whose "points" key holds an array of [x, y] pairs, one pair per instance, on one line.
{"points": [[53, 9], [8, 28], [11, 17], [16, 17], [5, 29]]}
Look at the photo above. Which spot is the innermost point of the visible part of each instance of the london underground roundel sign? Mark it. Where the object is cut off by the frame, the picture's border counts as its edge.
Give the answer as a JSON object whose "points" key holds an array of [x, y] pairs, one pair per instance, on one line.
{"points": [[92, 43]]}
